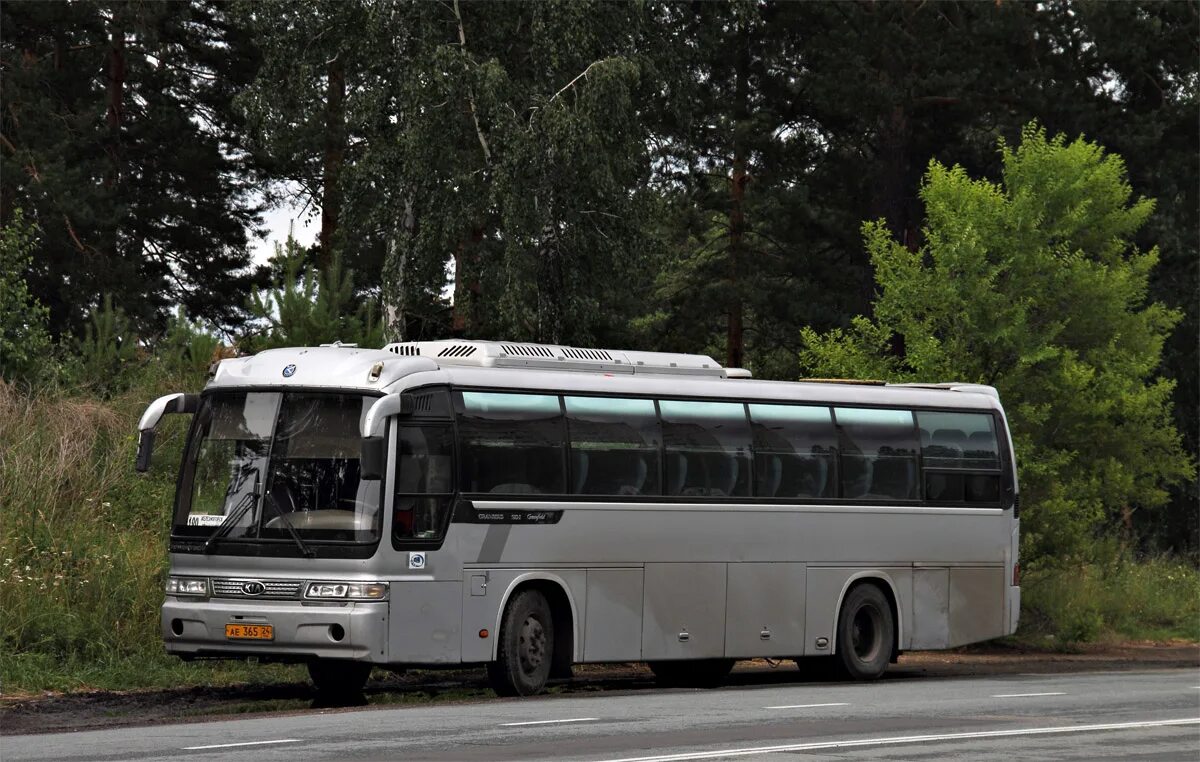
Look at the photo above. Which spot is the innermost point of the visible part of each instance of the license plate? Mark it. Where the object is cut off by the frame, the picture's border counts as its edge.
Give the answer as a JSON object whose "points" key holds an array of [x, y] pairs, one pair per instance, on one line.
{"points": [[249, 632]]}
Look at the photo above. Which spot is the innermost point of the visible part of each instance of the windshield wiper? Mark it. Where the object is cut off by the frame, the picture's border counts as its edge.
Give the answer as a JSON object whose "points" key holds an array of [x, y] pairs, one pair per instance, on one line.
{"points": [[287, 524], [246, 503]]}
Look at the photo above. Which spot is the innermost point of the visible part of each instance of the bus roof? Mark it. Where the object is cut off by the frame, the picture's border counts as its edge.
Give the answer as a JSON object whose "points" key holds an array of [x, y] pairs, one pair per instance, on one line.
{"points": [[551, 367]]}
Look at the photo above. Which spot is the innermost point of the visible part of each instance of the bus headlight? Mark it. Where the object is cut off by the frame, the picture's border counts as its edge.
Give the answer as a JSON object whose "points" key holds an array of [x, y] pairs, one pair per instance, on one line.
{"points": [[187, 586], [347, 591]]}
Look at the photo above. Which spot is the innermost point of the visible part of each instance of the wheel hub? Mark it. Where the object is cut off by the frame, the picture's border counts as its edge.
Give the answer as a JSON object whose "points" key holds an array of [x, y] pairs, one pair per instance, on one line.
{"points": [[531, 645]]}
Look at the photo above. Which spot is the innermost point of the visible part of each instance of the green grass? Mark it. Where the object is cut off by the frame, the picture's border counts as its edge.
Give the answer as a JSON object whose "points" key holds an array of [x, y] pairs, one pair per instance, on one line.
{"points": [[1156, 599], [25, 673]]}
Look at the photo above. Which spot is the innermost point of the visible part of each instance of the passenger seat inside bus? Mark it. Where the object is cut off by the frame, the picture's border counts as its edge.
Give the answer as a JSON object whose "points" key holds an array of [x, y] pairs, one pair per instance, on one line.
{"points": [[770, 475]]}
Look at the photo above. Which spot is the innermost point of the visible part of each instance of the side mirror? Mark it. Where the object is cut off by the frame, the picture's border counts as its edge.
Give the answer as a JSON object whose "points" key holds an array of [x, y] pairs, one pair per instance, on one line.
{"points": [[144, 451], [374, 450], [171, 403]]}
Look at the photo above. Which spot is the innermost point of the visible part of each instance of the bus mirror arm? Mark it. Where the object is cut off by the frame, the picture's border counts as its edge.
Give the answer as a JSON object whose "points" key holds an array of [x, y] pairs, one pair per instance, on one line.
{"points": [[374, 425], [385, 407], [170, 403]]}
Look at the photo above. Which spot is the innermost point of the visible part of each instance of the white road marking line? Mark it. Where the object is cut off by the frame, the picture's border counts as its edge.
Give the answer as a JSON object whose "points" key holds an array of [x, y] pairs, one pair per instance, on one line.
{"points": [[803, 706], [896, 740], [1026, 695], [244, 743], [548, 722]]}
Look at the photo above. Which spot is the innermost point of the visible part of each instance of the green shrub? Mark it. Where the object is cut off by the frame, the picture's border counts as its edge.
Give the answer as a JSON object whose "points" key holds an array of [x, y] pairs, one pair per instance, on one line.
{"points": [[1116, 599], [24, 342]]}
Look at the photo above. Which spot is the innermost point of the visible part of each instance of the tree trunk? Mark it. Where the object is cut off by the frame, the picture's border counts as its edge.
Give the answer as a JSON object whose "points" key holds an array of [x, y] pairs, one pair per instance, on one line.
{"points": [[116, 100], [466, 286], [734, 340], [335, 155], [395, 292]]}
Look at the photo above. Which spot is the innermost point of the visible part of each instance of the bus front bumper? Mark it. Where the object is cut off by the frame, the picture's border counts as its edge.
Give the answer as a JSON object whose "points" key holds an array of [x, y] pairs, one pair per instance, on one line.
{"points": [[298, 632]]}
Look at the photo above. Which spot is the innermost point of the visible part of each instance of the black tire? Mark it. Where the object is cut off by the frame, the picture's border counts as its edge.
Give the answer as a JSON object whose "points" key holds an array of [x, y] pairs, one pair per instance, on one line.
{"points": [[336, 678], [865, 633], [526, 650], [692, 673]]}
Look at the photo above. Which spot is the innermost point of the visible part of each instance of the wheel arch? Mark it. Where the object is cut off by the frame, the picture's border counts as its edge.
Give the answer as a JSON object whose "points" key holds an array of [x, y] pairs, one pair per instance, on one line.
{"points": [[557, 586], [888, 587]]}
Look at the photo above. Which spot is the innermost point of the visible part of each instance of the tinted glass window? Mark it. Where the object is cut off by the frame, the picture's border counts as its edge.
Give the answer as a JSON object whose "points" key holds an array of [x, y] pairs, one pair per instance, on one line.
{"points": [[707, 448], [613, 446], [424, 481], [794, 447], [958, 440], [878, 450], [511, 443], [959, 487], [314, 483]]}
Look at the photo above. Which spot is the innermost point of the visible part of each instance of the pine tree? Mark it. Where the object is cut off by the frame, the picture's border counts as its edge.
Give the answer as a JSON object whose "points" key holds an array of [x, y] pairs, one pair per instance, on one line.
{"points": [[120, 144]]}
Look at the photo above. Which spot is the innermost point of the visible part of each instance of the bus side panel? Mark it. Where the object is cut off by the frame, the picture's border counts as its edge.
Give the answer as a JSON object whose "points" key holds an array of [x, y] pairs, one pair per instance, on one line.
{"points": [[977, 602], [765, 610], [931, 608], [613, 623], [425, 620], [684, 611]]}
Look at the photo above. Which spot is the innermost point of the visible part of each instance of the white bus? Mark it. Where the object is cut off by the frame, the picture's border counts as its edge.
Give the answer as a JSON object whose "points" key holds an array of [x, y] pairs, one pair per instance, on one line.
{"points": [[529, 507]]}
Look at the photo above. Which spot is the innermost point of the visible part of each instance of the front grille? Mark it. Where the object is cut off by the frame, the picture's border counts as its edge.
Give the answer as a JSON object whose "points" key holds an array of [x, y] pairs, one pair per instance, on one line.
{"points": [[275, 589]]}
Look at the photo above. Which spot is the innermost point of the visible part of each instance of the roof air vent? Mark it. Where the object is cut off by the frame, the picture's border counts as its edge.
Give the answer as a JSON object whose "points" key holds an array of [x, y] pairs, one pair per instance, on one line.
{"points": [[458, 350], [587, 354], [405, 350]]}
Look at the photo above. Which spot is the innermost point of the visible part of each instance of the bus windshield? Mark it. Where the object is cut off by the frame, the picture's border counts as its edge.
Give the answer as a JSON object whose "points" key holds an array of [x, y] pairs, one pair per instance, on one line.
{"points": [[277, 466]]}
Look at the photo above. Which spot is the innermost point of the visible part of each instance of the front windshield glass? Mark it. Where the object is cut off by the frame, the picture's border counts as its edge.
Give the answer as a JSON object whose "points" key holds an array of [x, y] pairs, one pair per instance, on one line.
{"points": [[278, 459]]}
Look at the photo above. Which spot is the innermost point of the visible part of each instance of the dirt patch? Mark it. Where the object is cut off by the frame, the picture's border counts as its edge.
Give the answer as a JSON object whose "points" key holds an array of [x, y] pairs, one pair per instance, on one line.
{"points": [[101, 709]]}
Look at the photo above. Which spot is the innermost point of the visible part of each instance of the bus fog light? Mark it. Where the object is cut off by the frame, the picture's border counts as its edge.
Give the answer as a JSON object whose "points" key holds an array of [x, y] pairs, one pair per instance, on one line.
{"points": [[347, 591], [187, 586]]}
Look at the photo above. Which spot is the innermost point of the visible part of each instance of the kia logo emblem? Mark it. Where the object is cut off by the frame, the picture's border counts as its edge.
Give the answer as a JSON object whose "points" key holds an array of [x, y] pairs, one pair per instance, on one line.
{"points": [[253, 588], [289, 371]]}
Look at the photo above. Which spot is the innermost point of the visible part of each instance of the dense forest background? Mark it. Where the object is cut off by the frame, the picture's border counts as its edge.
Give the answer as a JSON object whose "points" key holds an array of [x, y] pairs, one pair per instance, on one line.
{"points": [[678, 176], [998, 192]]}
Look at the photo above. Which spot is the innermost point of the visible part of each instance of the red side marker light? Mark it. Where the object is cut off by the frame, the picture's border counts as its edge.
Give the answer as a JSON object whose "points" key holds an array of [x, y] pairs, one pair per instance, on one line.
{"points": [[483, 633]]}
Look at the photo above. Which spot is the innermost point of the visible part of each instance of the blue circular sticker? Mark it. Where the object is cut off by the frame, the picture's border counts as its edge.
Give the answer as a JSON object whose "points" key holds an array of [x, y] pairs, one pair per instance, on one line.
{"points": [[289, 371]]}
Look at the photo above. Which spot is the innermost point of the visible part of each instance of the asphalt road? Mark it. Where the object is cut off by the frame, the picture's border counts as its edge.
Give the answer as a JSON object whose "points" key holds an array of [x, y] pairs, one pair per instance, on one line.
{"points": [[1142, 715]]}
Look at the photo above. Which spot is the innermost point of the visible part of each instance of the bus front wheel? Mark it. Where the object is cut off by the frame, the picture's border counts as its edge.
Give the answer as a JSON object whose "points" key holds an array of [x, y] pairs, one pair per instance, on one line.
{"points": [[865, 633], [526, 650]]}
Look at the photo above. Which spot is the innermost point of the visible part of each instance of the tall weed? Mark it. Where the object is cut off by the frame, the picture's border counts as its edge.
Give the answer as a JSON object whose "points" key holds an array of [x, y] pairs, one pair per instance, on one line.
{"points": [[82, 537], [1118, 598]]}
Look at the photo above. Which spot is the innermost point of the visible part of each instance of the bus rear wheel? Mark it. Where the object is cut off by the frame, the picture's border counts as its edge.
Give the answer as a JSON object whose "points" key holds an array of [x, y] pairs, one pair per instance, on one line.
{"points": [[694, 673], [336, 678], [865, 633], [526, 650]]}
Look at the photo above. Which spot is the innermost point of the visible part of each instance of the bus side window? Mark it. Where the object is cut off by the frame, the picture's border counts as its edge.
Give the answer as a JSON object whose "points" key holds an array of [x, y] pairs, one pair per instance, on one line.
{"points": [[794, 449], [614, 445], [424, 481], [961, 457], [512, 444], [707, 446], [878, 450]]}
